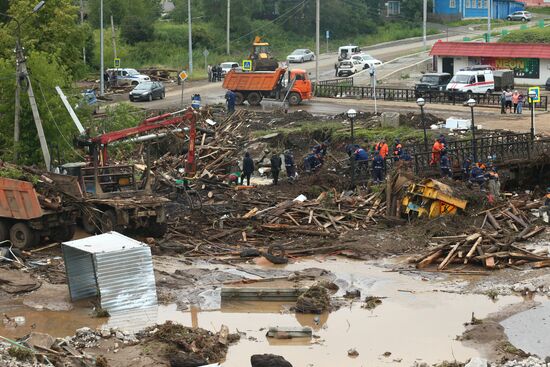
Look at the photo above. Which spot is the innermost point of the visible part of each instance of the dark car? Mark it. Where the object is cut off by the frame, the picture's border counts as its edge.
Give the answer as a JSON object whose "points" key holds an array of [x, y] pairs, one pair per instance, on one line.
{"points": [[147, 91], [431, 83]]}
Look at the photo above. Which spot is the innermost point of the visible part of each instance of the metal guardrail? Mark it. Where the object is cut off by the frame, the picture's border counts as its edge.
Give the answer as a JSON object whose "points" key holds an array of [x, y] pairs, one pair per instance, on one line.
{"points": [[337, 89], [344, 82]]}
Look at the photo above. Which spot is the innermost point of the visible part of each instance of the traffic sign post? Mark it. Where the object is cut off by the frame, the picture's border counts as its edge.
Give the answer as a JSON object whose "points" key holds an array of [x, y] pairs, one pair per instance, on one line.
{"points": [[182, 75], [327, 36], [205, 54], [534, 97], [537, 91], [247, 65], [116, 62]]}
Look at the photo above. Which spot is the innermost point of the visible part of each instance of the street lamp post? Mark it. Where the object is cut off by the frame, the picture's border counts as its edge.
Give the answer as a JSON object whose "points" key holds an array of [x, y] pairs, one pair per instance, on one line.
{"points": [[351, 115], [421, 102], [472, 103], [532, 96]]}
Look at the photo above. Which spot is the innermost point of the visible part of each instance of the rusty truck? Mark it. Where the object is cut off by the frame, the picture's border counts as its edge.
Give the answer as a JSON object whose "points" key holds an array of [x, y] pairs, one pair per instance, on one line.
{"points": [[23, 220], [281, 84]]}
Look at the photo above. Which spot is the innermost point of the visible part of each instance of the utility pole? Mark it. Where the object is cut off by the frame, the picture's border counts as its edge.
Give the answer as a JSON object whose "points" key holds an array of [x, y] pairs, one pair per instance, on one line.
{"points": [[82, 22], [228, 22], [317, 41], [488, 20], [190, 38], [17, 119], [425, 19], [101, 65], [113, 39]]}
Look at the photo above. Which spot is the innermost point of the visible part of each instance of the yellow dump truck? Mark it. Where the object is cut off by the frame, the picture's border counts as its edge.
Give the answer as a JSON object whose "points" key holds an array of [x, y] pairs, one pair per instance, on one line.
{"points": [[431, 198]]}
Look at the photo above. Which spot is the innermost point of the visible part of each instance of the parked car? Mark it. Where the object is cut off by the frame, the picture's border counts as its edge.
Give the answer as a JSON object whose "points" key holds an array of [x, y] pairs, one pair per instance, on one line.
{"points": [[523, 16], [226, 66], [367, 61], [125, 76], [431, 82], [345, 52], [547, 85], [349, 67], [301, 55], [147, 91]]}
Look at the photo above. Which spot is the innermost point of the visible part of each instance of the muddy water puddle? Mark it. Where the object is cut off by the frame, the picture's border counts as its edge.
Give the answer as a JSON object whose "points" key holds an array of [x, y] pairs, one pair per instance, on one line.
{"points": [[417, 320]]}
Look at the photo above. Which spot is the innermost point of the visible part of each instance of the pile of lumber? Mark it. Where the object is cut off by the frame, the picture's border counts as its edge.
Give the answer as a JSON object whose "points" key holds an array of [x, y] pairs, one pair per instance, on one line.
{"points": [[492, 245], [253, 220]]}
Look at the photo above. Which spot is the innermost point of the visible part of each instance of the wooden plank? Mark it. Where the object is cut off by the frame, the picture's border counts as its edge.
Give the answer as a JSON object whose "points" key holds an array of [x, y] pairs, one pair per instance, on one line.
{"points": [[493, 221], [292, 219], [429, 259], [490, 262], [541, 264], [536, 231], [449, 257], [310, 216], [472, 250]]}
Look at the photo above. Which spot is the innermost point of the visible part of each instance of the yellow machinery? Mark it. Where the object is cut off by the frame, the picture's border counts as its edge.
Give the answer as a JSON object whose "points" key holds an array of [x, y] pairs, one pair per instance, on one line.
{"points": [[261, 57], [431, 198]]}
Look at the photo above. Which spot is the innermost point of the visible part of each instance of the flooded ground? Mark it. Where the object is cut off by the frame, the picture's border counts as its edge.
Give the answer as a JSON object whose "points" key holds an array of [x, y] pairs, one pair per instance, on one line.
{"points": [[419, 318]]}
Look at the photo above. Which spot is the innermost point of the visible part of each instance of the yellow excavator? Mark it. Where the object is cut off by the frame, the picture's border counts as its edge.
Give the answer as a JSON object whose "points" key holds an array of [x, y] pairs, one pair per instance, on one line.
{"points": [[261, 57], [431, 198]]}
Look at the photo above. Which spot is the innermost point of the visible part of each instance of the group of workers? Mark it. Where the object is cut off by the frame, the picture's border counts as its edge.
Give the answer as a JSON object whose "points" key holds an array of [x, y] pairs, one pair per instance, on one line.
{"points": [[248, 166], [215, 73]]}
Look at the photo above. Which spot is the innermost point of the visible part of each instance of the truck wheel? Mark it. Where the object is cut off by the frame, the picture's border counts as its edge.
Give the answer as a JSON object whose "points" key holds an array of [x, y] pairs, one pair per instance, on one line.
{"points": [[294, 99], [63, 233], [90, 223], [254, 99], [108, 221], [4, 231], [239, 98], [22, 236]]}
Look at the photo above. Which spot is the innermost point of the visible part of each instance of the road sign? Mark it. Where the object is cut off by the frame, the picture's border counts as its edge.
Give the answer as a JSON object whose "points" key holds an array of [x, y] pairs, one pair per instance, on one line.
{"points": [[537, 91], [205, 53], [327, 35], [117, 62], [247, 65], [183, 75]]}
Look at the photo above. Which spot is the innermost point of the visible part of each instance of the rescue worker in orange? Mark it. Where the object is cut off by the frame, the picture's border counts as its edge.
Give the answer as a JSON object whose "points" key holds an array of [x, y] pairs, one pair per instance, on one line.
{"points": [[382, 148], [437, 148], [545, 209], [397, 150]]}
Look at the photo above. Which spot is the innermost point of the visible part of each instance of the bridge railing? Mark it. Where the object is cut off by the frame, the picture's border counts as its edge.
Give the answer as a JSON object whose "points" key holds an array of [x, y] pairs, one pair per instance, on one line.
{"points": [[337, 88]]}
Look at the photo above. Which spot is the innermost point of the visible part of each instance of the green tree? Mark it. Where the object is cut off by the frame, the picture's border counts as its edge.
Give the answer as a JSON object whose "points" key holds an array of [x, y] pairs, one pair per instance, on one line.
{"points": [[135, 29]]}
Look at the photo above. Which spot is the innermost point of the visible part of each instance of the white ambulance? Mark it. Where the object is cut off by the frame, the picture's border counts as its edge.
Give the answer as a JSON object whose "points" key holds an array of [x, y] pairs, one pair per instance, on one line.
{"points": [[472, 81]]}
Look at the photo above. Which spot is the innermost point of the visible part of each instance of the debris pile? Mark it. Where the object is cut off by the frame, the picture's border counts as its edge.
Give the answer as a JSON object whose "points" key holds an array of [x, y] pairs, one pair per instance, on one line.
{"points": [[492, 244], [315, 300]]}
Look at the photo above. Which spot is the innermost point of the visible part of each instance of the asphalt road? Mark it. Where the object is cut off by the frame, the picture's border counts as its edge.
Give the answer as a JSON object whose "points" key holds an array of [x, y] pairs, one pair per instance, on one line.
{"points": [[396, 55]]}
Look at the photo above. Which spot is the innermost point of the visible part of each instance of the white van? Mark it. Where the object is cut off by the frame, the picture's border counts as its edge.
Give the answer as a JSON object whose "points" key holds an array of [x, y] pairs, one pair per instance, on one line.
{"points": [[345, 52], [472, 81]]}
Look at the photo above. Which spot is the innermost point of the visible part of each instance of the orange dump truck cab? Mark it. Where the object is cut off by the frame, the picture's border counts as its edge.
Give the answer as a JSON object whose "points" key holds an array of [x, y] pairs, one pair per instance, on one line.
{"points": [[281, 84]]}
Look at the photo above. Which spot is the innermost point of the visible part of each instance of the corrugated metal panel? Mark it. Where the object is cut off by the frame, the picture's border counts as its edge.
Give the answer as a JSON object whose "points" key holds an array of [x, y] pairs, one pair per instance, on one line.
{"points": [[117, 268], [80, 273], [126, 279]]}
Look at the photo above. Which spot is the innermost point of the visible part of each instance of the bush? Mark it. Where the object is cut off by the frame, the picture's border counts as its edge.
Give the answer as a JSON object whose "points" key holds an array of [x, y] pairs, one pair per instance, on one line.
{"points": [[136, 30], [533, 35]]}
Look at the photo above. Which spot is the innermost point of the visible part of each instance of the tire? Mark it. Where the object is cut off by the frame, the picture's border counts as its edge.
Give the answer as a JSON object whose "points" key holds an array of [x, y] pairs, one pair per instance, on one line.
{"points": [[108, 221], [488, 92], [90, 223], [4, 231], [163, 95], [150, 97], [524, 20], [509, 19], [294, 99], [302, 60], [134, 83], [239, 98], [22, 236], [156, 229], [131, 99], [254, 99], [63, 233]]}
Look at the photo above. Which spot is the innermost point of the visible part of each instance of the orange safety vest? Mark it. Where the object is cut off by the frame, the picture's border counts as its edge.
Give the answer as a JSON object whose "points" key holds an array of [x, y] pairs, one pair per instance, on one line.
{"points": [[383, 149]]}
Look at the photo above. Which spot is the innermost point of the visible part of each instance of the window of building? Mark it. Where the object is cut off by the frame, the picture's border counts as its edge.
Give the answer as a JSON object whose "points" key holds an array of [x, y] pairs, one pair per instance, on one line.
{"points": [[468, 3], [474, 4], [452, 3], [394, 8]]}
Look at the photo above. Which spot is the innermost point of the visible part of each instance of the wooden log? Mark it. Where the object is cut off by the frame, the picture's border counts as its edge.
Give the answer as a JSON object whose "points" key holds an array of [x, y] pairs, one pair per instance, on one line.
{"points": [[493, 221], [449, 257], [534, 232], [541, 264], [429, 259], [490, 262], [473, 249]]}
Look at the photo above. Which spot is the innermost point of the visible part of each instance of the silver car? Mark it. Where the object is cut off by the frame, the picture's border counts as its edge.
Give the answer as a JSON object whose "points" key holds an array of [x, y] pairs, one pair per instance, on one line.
{"points": [[301, 55], [523, 16]]}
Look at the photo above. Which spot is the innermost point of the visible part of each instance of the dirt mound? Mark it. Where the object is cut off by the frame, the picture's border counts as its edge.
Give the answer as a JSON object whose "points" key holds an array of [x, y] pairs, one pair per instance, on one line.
{"points": [[193, 345], [315, 300], [415, 120]]}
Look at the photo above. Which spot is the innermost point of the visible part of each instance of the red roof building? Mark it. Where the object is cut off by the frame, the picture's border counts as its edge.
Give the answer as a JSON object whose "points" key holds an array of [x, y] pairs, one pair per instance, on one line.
{"points": [[530, 61]]}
